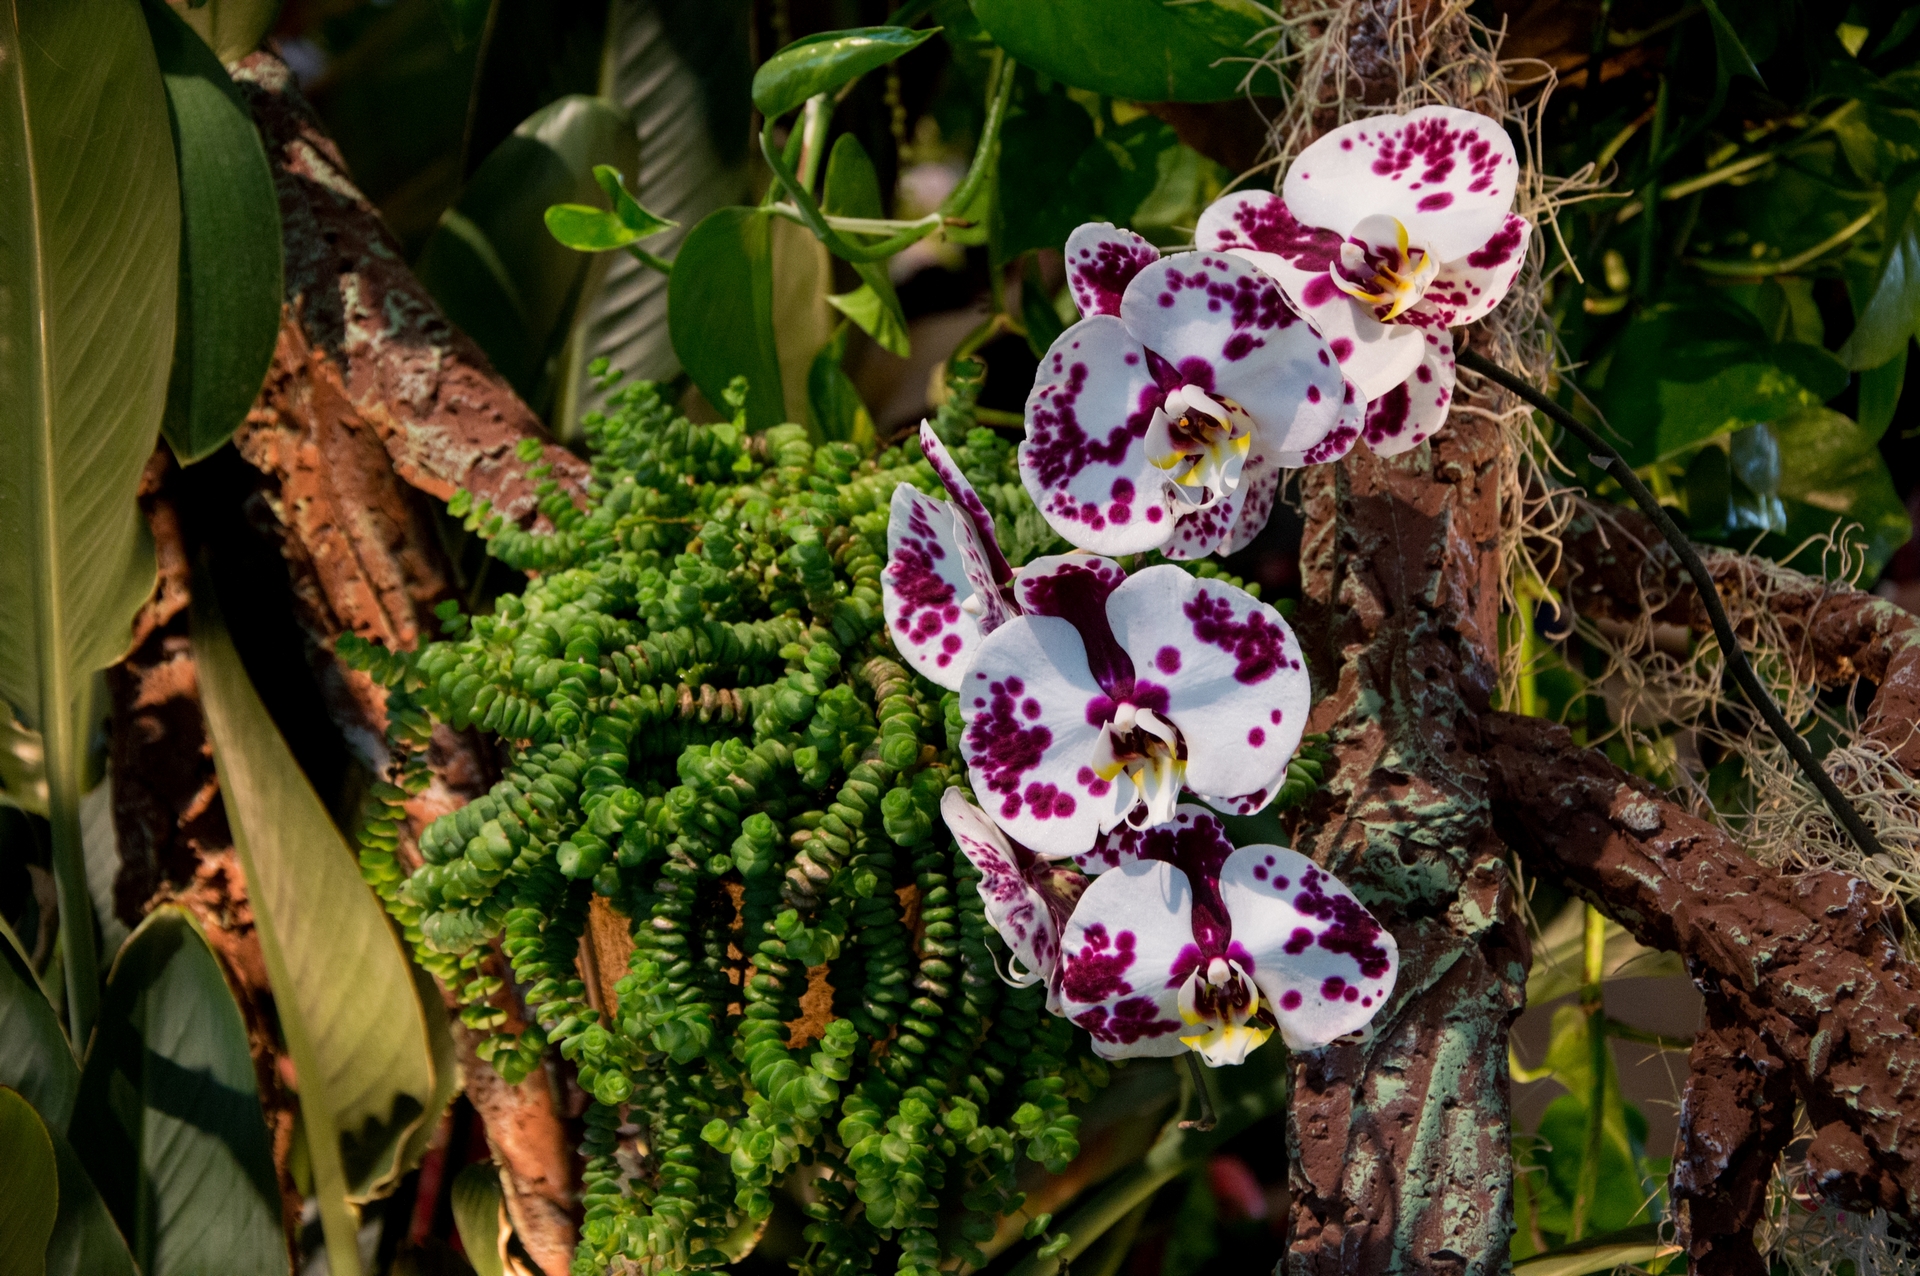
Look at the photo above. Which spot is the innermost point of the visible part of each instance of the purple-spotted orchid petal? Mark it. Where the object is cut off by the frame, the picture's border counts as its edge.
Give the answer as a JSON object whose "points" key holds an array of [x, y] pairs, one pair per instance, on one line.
{"points": [[1112, 692], [1140, 422], [1387, 229], [1407, 415], [1322, 962], [1256, 225], [1447, 175], [944, 586], [1028, 899], [1101, 261], [1184, 938]]}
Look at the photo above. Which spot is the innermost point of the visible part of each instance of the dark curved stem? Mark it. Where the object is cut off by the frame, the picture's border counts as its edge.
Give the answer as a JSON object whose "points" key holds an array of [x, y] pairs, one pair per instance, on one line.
{"points": [[1207, 1119], [1605, 455]]}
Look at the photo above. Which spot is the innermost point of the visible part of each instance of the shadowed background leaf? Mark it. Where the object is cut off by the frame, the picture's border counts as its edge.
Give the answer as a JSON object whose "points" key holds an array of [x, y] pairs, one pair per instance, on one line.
{"points": [[168, 1122], [348, 1005], [29, 1193], [229, 307]]}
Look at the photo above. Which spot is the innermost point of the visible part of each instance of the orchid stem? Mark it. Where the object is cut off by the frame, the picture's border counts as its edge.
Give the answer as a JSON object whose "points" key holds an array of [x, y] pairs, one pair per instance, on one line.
{"points": [[1207, 1118], [1605, 456]]}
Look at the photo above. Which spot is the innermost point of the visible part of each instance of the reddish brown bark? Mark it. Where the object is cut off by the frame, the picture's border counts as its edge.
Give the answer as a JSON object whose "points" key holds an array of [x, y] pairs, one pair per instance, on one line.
{"points": [[1735, 1119], [1804, 961], [445, 417], [1401, 1155]]}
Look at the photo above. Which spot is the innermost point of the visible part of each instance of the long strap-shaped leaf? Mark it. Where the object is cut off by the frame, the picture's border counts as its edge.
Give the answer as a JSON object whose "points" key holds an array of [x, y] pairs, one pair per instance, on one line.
{"points": [[89, 240], [348, 1004]]}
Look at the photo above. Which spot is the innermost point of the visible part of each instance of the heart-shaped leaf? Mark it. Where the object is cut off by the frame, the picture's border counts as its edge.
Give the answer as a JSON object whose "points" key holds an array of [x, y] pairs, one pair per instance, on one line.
{"points": [[822, 63], [720, 311], [1142, 50], [853, 190]]}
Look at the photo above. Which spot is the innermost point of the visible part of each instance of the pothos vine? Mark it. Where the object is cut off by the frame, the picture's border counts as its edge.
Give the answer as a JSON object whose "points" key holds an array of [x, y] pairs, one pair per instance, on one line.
{"points": [[704, 721]]}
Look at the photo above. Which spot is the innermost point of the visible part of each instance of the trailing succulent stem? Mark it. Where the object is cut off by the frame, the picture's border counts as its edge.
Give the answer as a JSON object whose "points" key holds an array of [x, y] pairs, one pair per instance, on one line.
{"points": [[705, 723]]}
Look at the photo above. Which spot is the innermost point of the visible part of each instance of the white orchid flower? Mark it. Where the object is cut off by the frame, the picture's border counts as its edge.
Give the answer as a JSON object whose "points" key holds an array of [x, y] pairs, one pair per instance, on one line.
{"points": [[1161, 420], [1387, 233], [1111, 693]]}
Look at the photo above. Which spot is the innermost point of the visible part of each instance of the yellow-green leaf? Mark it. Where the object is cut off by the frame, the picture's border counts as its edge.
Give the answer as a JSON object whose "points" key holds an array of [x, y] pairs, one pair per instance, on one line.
{"points": [[348, 1006], [29, 1193], [89, 269]]}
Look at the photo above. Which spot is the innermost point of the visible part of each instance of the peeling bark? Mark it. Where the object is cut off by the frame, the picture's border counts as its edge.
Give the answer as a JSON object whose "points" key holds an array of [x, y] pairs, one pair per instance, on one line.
{"points": [[445, 417], [1803, 960], [1401, 1156]]}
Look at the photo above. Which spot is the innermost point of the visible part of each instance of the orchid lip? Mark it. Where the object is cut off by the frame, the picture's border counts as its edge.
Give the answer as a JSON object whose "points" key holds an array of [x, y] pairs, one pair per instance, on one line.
{"points": [[1398, 286], [1141, 745], [1222, 1000]]}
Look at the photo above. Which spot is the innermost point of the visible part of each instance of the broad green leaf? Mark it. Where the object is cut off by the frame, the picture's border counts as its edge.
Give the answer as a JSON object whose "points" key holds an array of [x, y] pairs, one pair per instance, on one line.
{"points": [[822, 63], [1832, 470], [231, 28], [229, 308], [586, 229], [1892, 310], [347, 1003], [853, 190], [1142, 50], [168, 1124], [86, 1241], [1683, 375], [476, 1213], [1108, 174], [720, 311], [34, 1056], [89, 273], [1880, 392], [803, 321], [682, 73], [1599, 1258], [492, 264], [102, 845], [29, 1188], [446, 1064]]}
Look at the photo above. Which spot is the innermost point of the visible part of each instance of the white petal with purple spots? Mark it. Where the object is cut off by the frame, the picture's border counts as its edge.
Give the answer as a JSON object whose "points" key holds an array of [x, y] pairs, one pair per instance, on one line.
{"points": [[992, 570], [1447, 175], [1084, 460], [1223, 327], [926, 584], [1027, 903], [1121, 960], [1322, 961], [1256, 225], [1101, 261], [1232, 674], [1028, 739], [1467, 289], [1411, 413], [1259, 485]]}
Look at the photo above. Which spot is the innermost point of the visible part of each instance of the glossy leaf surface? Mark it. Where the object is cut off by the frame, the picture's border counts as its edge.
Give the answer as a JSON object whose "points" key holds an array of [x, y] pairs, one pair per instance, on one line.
{"points": [[230, 259], [853, 190], [492, 264], [1143, 50], [720, 311], [822, 63], [89, 272]]}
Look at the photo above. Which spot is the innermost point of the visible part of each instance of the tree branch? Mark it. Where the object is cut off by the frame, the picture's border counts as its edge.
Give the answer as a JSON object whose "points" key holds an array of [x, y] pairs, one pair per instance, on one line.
{"points": [[1803, 960]]}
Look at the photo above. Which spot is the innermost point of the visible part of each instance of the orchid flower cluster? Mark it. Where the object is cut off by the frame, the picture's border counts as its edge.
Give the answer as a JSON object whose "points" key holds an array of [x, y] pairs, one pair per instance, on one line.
{"points": [[1305, 322], [1092, 698]]}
